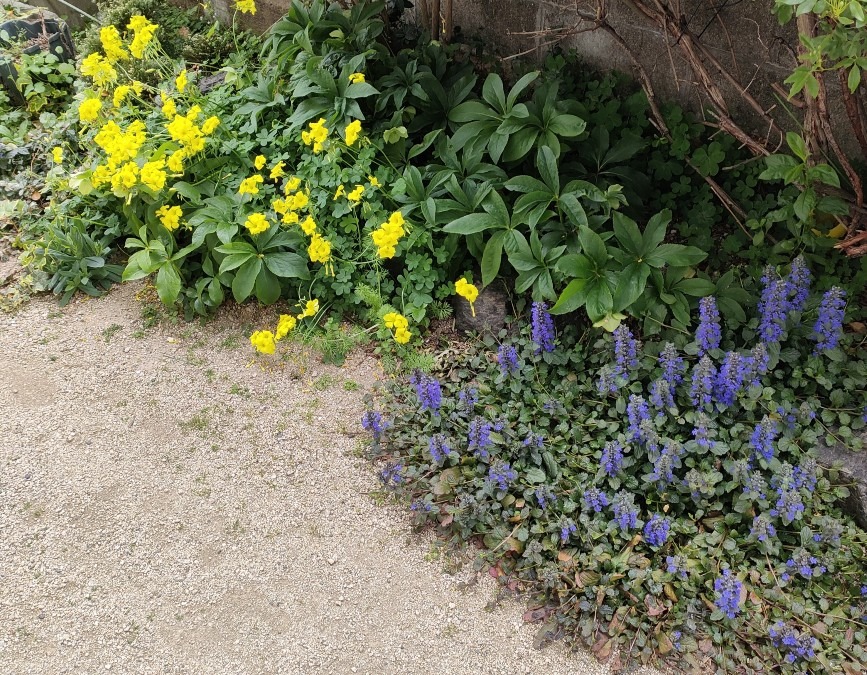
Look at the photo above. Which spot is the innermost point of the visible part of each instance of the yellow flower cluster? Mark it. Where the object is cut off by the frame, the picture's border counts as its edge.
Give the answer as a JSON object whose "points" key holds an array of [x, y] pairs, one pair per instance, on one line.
{"points": [[353, 129], [170, 217], [467, 291], [99, 69], [319, 249], [398, 323], [184, 130], [57, 154], [250, 186], [112, 44], [263, 341], [285, 324], [257, 223], [277, 171], [356, 78], [388, 234], [122, 91], [143, 32], [259, 162], [316, 135], [89, 109], [355, 195], [181, 81], [311, 308], [246, 6]]}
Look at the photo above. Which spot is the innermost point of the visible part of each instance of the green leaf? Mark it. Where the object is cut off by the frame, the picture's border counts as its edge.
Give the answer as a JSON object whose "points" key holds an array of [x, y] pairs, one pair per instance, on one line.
{"points": [[245, 278], [520, 86], [235, 248], [267, 287], [471, 111], [631, 282], [567, 125], [628, 234], [854, 78], [655, 230], [676, 255], [168, 283], [287, 265], [189, 191], [473, 223], [572, 297], [546, 162], [493, 93], [535, 475], [361, 90], [593, 246], [797, 145], [573, 209], [599, 301], [492, 257], [577, 266]]}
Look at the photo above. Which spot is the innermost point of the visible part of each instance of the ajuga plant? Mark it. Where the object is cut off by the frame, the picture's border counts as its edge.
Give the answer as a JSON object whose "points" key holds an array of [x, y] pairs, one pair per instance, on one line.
{"points": [[664, 499]]}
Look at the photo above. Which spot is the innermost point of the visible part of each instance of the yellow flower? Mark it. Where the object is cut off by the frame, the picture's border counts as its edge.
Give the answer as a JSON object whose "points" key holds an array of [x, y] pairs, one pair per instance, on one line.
{"points": [[143, 34], [153, 176], [399, 324], [112, 44], [181, 81], [101, 175], [184, 131], [280, 206], [340, 191], [175, 162], [120, 93], [88, 109], [285, 323], [170, 217], [319, 249], [119, 145], [290, 218], [316, 136], [125, 178], [291, 185], [467, 291], [308, 225], [388, 235], [310, 309], [356, 78], [169, 109], [263, 341], [210, 125], [137, 87], [355, 195], [299, 200], [246, 6], [57, 155], [194, 112], [257, 223], [259, 162], [352, 130], [373, 181], [98, 69], [277, 171], [250, 186]]}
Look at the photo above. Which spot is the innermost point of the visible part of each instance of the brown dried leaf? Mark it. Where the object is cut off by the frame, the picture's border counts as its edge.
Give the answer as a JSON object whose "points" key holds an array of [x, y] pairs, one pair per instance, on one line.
{"points": [[705, 646], [564, 557]]}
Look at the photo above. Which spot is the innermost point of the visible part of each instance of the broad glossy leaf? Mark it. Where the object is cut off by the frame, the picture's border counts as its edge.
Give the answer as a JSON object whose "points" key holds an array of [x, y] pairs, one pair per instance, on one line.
{"points": [[631, 282], [473, 223], [492, 257], [245, 278], [287, 265], [628, 234], [168, 283], [676, 255], [572, 297]]}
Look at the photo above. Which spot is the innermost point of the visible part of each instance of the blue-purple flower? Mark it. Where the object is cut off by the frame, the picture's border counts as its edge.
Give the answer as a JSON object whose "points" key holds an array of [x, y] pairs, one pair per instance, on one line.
{"points": [[502, 474], [676, 565], [829, 324], [656, 530], [763, 436], [793, 644], [728, 593], [545, 495], [703, 379], [797, 285], [708, 334], [594, 500], [637, 411], [507, 356], [391, 475], [612, 458], [625, 510], [567, 529], [479, 437], [762, 529], [372, 421], [428, 390], [542, 329], [773, 306], [439, 448]]}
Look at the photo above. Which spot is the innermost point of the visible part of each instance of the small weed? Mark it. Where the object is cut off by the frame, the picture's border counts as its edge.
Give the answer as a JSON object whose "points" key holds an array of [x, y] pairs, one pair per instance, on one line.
{"points": [[198, 422], [194, 359], [323, 382], [210, 374], [350, 385], [202, 488], [109, 332], [238, 390], [231, 342], [138, 334]]}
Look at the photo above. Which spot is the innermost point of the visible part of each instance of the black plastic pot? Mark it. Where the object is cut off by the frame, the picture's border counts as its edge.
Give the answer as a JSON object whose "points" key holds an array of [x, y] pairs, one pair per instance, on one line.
{"points": [[39, 30]]}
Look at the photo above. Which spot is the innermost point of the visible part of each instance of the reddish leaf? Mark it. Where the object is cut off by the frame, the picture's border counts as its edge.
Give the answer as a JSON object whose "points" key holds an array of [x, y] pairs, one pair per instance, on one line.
{"points": [[537, 615], [706, 646]]}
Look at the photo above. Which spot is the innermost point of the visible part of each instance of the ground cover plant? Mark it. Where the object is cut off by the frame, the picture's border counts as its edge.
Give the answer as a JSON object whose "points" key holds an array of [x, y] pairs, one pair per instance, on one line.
{"points": [[660, 498]]}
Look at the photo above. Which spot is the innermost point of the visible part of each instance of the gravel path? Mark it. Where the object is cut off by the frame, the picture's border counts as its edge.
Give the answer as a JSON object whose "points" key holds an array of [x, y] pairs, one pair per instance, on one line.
{"points": [[165, 507]]}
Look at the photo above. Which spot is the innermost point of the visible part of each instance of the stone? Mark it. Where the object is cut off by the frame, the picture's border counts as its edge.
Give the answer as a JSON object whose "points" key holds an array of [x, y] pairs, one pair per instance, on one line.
{"points": [[853, 474], [490, 309]]}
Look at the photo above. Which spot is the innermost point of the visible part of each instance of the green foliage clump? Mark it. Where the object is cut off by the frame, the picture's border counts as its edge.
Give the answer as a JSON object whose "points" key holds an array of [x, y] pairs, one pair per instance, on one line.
{"points": [[663, 499]]}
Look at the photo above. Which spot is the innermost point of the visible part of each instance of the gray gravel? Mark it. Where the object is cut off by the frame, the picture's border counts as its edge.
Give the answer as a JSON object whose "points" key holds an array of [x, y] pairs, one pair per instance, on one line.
{"points": [[168, 507]]}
